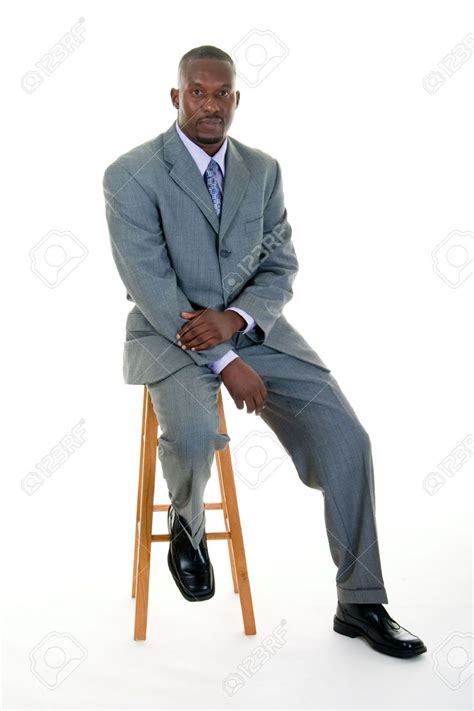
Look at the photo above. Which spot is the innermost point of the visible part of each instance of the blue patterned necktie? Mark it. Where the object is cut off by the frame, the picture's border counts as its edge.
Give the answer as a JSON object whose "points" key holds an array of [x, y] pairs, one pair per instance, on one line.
{"points": [[213, 186]]}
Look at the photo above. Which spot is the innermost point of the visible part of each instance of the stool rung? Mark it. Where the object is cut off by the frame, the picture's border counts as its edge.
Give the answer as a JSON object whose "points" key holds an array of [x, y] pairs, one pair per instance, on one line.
{"points": [[211, 536], [165, 507]]}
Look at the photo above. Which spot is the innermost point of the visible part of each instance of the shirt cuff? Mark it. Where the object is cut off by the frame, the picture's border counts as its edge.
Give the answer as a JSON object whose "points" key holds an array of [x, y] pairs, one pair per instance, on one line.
{"points": [[250, 320], [217, 365]]}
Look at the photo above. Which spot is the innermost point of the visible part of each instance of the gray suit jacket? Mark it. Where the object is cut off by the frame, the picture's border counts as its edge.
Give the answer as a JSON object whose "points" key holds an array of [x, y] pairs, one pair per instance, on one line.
{"points": [[174, 254]]}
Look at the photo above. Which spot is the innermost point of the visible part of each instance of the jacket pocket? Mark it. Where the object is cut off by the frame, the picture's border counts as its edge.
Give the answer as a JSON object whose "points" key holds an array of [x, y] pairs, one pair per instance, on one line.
{"points": [[137, 326], [254, 225]]}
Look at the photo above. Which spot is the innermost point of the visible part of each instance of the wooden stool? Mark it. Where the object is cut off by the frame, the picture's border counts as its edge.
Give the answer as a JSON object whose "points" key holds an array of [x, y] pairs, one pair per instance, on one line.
{"points": [[145, 508]]}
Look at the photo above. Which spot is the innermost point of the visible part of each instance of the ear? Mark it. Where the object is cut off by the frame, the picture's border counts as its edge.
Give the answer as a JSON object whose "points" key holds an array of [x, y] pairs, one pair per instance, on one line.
{"points": [[174, 94]]}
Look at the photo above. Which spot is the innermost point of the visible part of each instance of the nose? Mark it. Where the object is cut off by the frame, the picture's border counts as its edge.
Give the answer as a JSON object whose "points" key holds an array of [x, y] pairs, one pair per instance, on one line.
{"points": [[210, 106]]}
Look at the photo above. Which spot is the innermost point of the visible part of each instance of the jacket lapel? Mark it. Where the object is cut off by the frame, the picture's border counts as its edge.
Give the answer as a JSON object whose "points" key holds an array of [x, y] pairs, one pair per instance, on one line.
{"points": [[186, 175], [237, 177]]}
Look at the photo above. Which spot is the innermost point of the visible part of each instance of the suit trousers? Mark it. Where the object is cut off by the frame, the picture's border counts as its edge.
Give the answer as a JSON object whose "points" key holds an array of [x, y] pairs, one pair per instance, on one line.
{"points": [[316, 426]]}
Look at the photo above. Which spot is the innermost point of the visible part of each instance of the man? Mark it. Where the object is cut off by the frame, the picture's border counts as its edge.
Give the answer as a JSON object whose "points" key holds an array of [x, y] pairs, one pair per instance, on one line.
{"points": [[200, 237]]}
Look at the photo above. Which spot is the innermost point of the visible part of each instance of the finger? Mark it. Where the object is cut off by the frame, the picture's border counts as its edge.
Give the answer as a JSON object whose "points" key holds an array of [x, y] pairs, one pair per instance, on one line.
{"points": [[239, 403], [197, 333], [193, 319], [250, 401], [191, 327], [201, 343], [262, 401], [204, 346]]}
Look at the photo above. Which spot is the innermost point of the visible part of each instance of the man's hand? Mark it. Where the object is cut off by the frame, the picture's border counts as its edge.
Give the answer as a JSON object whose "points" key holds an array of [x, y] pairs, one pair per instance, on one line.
{"points": [[207, 328], [245, 385]]}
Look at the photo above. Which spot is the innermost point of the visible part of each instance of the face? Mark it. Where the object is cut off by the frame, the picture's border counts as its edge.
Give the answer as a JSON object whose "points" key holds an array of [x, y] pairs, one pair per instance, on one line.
{"points": [[206, 101]]}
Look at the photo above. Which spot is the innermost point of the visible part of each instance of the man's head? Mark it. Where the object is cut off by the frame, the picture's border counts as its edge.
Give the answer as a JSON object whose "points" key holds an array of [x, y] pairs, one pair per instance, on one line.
{"points": [[206, 98]]}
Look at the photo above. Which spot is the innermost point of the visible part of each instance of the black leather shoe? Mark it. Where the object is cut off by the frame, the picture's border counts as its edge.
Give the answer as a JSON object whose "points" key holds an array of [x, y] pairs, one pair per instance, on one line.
{"points": [[372, 621], [190, 567]]}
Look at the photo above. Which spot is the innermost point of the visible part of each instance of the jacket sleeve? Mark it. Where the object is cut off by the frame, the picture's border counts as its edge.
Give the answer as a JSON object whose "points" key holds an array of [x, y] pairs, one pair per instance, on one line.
{"points": [[141, 257], [270, 288]]}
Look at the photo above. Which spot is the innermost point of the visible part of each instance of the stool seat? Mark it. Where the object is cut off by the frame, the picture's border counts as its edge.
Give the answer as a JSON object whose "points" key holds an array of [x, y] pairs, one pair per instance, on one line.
{"points": [[146, 507]]}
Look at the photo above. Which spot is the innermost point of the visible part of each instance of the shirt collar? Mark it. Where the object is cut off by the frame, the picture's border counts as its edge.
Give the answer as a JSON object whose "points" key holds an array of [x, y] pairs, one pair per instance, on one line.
{"points": [[200, 156]]}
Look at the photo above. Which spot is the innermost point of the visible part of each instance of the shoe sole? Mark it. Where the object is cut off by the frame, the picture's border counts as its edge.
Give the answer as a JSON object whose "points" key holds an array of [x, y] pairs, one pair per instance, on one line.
{"points": [[351, 631], [183, 590]]}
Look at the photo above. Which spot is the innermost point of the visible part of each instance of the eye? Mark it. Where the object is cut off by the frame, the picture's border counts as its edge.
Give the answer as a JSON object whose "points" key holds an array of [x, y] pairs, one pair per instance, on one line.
{"points": [[225, 91], [194, 90]]}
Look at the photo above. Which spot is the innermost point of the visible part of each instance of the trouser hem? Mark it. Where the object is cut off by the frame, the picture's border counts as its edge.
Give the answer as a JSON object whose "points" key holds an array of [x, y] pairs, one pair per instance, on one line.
{"points": [[362, 595]]}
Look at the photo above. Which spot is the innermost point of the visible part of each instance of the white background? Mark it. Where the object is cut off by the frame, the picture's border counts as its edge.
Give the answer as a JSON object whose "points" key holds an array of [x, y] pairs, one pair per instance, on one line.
{"points": [[377, 172]]}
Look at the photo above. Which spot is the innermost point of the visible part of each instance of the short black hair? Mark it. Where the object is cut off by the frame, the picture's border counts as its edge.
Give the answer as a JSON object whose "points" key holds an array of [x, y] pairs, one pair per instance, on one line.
{"points": [[206, 51]]}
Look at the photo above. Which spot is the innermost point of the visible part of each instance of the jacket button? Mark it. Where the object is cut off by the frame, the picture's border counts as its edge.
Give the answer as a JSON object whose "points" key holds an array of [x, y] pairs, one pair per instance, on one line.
{"points": [[224, 252]]}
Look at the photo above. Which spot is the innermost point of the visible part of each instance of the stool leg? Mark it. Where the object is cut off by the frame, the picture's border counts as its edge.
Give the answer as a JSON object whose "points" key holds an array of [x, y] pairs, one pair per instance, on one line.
{"points": [[226, 475], [226, 515], [226, 522], [146, 520], [140, 478]]}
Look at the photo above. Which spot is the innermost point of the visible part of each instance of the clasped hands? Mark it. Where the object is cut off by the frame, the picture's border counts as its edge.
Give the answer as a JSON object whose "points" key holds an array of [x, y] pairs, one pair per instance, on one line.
{"points": [[207, 328]]}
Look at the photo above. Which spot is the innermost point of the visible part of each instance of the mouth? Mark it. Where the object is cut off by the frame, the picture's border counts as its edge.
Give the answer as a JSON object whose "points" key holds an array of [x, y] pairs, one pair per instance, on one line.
{"points": [[211, 122]]}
